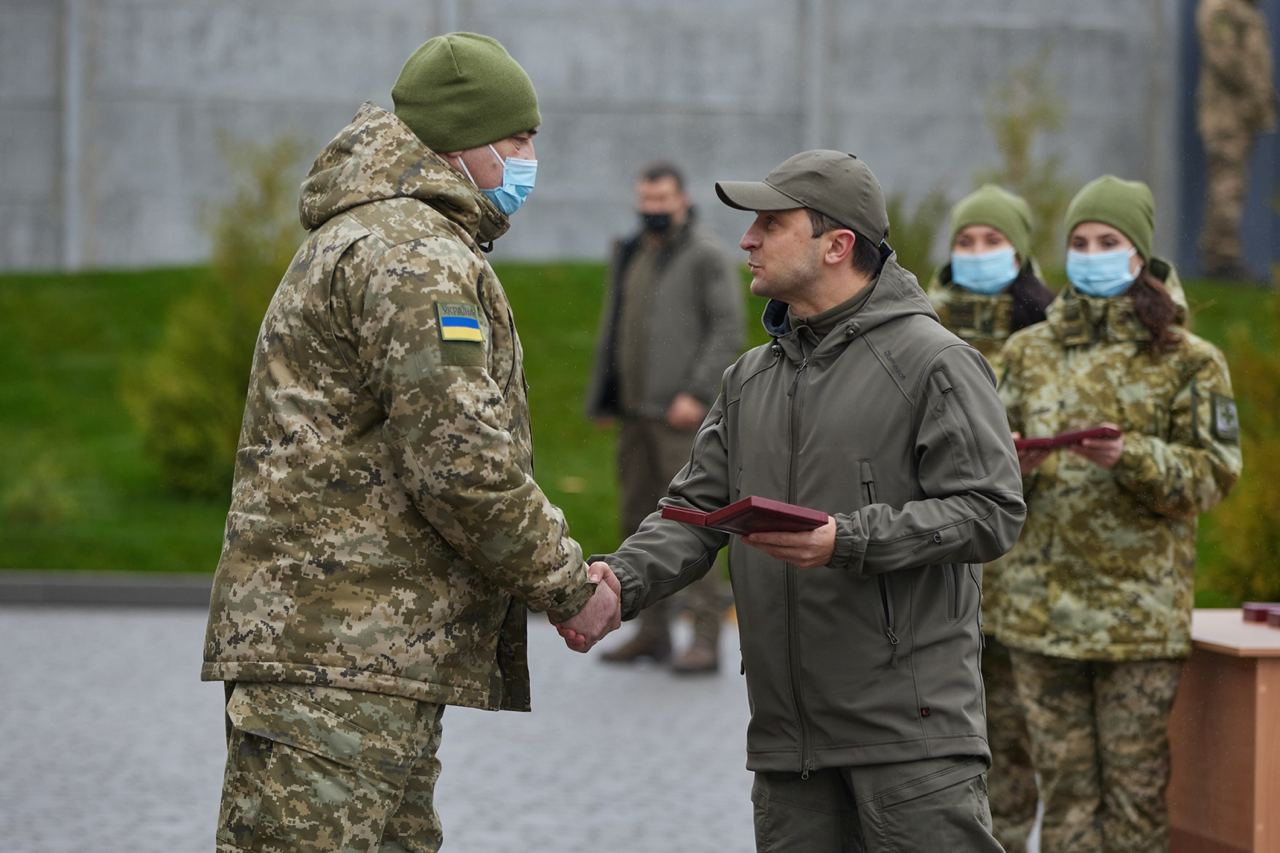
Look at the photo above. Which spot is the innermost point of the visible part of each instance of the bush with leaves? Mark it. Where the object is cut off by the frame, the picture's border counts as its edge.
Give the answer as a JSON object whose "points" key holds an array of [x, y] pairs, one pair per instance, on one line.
{"points": [[1245, 530], [188, 395], [1018, 112], [912, 234]]}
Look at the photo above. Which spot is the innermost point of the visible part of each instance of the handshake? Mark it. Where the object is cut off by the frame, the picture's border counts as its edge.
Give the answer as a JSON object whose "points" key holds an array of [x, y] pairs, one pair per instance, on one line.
{"points": [[601, 614]]}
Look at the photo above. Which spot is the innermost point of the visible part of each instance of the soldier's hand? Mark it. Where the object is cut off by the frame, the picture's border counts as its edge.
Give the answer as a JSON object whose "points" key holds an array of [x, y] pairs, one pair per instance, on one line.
{"points": [[1029, 459], [602, 613], [803, 549], [685, 412], [1103, 452]]}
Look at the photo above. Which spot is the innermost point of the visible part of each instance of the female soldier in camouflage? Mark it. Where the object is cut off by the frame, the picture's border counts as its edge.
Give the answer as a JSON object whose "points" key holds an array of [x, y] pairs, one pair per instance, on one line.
{"points": [[989, 290], [1098, 596]]}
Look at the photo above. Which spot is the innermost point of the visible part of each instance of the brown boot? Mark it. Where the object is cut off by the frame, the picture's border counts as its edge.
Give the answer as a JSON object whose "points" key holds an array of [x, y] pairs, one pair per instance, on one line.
{"points": [[696, 660], [654, 647]]}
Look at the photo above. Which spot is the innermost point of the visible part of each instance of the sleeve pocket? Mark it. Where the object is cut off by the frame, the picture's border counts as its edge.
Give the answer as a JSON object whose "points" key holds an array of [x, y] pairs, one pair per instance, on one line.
{"points": [[948, 408]]}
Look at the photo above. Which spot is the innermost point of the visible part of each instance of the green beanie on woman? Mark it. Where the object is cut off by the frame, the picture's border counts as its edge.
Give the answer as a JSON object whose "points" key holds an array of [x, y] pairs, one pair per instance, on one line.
{"points": [[464, 90], [996, 208], [1126, 206]]}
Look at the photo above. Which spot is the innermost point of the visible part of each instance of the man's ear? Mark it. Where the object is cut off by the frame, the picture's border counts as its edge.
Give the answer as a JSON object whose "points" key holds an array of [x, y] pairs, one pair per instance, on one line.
{"points": [[841, 247]]}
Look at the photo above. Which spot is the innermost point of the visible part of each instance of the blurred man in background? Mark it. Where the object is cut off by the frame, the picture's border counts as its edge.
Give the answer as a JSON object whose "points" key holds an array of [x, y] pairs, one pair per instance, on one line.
{"points": [[673, 321], [1235, 100], [386, 537]]}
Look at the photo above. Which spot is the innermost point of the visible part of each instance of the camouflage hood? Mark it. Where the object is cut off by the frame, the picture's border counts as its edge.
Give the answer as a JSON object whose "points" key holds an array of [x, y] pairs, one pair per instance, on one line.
{"points": [[377, 157]]}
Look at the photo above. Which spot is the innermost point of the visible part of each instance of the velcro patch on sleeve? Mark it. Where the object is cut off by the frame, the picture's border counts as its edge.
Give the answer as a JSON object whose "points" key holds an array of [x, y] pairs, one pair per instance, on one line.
{"points": [[1226, 419], [459, 323]]}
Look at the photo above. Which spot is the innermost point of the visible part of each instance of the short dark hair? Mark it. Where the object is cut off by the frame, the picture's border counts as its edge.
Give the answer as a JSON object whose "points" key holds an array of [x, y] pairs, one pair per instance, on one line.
{"points": [[865, 256], [660, 169]]}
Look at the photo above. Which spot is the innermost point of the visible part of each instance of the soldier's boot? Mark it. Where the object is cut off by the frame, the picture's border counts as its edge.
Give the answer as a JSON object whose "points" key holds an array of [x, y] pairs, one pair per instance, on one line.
{"points": [[698, 659], [703, 656], [652, 641]]}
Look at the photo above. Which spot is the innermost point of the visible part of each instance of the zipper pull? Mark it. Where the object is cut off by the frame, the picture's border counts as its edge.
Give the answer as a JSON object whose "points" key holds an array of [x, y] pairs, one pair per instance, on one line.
{"points": [[804, 770], [893, 646], [795, 382]]}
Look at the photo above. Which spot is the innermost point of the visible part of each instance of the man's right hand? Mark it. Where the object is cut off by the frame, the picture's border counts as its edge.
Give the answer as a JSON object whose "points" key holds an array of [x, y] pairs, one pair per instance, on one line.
{"points": [[601, 614]]}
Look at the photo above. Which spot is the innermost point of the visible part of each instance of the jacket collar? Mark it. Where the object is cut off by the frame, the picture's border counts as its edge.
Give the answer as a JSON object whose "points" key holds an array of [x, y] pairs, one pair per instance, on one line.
{"points": [[894, 293]]}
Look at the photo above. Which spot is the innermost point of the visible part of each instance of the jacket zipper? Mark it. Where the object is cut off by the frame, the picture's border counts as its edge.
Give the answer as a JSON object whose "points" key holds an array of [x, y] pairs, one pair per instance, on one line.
{"points": [[886, 596], [789, 571]]}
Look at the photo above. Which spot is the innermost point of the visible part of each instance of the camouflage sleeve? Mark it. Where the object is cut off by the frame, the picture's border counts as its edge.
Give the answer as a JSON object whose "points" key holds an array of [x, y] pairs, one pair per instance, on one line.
{"points": [[1200, 461], [1221, 50], [723, 318], [447, 428]]}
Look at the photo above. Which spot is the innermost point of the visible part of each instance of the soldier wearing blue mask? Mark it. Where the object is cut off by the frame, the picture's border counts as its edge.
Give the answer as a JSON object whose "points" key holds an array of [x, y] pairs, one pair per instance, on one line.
{"points": [[1097, 596], [988, 290]]}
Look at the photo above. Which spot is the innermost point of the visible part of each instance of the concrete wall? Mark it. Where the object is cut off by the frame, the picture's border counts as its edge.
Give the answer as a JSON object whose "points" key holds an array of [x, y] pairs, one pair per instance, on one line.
{"points": [[111, 110]]}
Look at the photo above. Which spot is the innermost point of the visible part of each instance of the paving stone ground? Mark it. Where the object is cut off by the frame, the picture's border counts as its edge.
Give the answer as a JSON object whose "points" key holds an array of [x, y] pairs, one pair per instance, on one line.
{"points": [[109, 742]]}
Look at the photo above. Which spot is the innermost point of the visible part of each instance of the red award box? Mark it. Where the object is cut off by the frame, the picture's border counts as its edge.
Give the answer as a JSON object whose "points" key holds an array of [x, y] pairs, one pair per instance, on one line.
{"points": [[1065, 439], [750, 515]]}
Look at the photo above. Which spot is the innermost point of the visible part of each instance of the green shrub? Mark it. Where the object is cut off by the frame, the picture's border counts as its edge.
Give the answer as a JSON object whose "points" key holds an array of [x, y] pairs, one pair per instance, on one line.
{"points": [[188, 396], [39, 495], [1018, 112], [1245, 532], [912, 234]]}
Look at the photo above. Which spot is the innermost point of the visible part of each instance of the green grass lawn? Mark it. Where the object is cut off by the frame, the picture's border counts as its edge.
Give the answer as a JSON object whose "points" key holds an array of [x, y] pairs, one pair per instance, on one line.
{"points": [[78, 490]]}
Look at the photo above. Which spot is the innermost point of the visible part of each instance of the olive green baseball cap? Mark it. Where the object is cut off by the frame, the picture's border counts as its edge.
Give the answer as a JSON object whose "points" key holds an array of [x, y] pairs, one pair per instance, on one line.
{"points": [[833, 183]]}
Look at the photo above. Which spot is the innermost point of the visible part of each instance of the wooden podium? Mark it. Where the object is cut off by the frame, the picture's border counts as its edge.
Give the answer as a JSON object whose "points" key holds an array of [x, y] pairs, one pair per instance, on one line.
{"points": [[1224, 794]]}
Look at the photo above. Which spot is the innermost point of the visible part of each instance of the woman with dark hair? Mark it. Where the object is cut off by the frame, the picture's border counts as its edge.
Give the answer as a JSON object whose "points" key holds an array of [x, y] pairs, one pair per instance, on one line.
{"points": [[990, 289], [1098, 593]]}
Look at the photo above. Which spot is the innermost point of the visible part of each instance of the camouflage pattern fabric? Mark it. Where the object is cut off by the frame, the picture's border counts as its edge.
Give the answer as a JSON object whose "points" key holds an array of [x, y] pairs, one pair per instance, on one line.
{"points": [[980, 320], [1011, 781], [321, 768], [385, 531], [1235, 99], [1100, 743], [1104, 568]]}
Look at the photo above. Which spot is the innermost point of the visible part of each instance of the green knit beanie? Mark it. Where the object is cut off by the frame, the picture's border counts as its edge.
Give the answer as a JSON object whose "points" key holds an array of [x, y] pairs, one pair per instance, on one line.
{"points": [[464, 90], [996, 208], [1127, 206]]}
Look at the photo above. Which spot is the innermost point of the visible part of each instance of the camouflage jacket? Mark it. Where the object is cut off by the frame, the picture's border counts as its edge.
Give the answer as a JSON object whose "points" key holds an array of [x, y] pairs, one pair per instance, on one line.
{"points": [[1104, 568], [1236, 92], [385, 530]]}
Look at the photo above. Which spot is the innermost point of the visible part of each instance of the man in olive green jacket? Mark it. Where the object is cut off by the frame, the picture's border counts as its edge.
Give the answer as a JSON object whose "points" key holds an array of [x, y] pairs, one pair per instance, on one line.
{"points": [[386, 537], [673, 321], [860, 639]]}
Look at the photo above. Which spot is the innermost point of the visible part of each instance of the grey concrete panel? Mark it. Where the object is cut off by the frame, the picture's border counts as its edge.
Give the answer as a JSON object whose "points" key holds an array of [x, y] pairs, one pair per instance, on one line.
{"points": [[30, 50], [725, 88]]}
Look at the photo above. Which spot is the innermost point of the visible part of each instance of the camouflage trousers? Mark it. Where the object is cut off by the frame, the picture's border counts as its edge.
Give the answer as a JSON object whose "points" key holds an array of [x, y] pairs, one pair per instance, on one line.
{"points": [[1099, 740], [649, 456], [1011, 781], [1228, 159], [324, 769]]}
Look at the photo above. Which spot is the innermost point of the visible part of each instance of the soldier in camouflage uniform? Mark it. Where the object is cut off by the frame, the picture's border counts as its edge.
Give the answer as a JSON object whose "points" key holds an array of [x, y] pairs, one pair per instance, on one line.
{"points": [[1236, 99], [990, 289], [1098, 595], [386, 536]]}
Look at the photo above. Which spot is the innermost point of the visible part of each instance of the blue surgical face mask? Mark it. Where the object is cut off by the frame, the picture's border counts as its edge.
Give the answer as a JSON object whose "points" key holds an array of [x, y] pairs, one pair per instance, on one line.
{"points": [[517, 183], [987, 272], [1100, 273]]}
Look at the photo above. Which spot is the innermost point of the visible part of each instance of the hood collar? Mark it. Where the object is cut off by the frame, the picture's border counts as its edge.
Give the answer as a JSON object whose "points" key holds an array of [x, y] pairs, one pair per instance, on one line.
{"points": [[894, 293], [377, 157]]}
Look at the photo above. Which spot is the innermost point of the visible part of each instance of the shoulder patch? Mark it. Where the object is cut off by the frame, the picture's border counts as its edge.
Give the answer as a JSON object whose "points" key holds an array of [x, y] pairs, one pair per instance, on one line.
{"points": [[459, 322], [1226, 420]]}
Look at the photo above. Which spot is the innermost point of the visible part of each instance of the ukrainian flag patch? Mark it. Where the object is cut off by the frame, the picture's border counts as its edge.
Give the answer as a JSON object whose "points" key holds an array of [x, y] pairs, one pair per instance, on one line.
{"points": [[459, 322]]}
